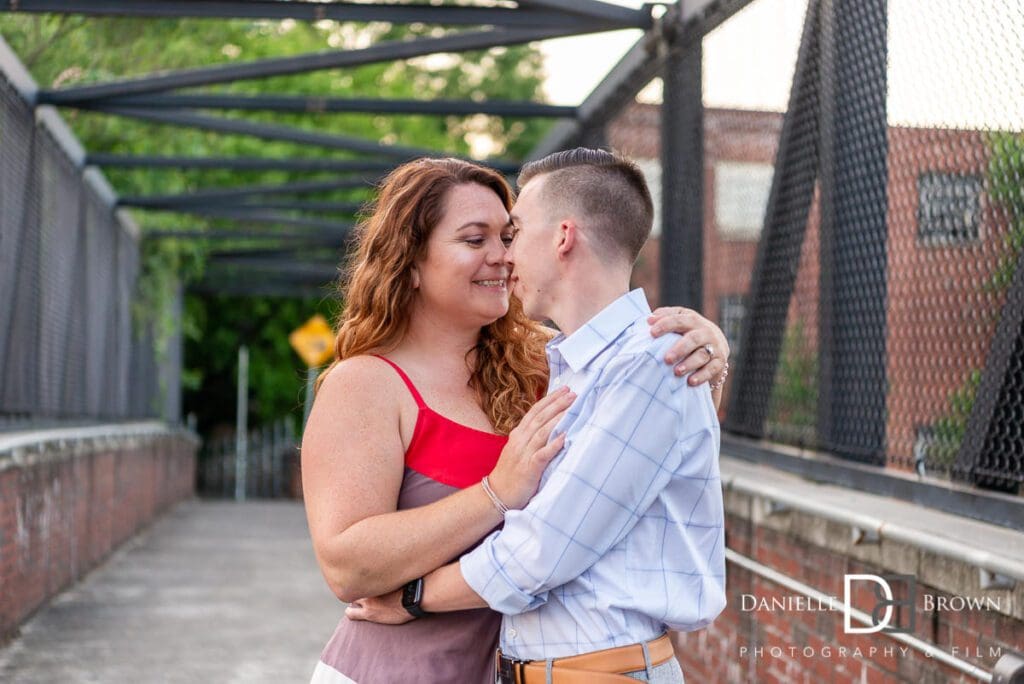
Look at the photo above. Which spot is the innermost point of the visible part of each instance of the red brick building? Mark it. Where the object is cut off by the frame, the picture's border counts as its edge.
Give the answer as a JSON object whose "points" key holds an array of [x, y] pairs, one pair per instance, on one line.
{"points": [[945, 242]]}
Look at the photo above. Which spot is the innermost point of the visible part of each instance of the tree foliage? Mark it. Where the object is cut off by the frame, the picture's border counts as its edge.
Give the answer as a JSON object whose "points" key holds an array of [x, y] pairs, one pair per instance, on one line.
{"points": [[1006, 188], [63, 51], [276, 375], [793, 405]]}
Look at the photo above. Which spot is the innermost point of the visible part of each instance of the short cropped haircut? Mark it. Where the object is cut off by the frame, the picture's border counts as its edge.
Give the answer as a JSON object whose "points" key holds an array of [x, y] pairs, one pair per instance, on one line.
{"points": [[605, 189]]}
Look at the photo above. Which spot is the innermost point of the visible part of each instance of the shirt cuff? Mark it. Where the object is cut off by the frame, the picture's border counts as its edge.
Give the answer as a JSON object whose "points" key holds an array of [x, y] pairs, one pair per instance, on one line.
{"points": [[485, 575]]}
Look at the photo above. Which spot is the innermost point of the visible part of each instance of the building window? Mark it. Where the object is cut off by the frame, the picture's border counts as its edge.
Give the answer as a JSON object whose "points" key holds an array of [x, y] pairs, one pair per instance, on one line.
{"points": [[651, 169], [731, 311], [948, 208], [741, 196]]}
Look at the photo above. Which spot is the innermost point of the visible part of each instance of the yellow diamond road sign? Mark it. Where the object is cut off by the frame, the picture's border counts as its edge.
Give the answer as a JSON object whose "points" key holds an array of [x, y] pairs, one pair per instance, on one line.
{"points": [[313, 341]]}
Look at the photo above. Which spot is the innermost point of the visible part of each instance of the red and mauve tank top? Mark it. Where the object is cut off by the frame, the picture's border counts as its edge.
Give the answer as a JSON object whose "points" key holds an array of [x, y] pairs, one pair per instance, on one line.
{"points": [[443, 457], [446, 451]]}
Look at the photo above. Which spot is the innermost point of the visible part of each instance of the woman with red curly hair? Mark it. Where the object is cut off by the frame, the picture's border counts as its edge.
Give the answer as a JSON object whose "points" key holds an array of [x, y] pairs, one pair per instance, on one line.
{"points": [[427, 414]]}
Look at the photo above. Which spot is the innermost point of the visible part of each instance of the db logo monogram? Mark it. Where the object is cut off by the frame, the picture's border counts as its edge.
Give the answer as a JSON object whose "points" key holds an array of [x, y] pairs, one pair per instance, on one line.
{"points": [[883, 614]]}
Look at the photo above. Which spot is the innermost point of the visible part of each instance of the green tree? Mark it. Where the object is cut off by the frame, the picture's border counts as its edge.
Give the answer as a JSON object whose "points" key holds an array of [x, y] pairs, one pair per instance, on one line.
{"points": [[277, 376], [949, 430], [1006, 188], [793, 405]]}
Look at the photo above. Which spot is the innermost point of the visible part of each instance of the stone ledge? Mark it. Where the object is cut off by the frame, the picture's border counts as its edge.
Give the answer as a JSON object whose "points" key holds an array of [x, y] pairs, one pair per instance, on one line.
{"points": [[29, 447], [954, 554], [943, 495]]}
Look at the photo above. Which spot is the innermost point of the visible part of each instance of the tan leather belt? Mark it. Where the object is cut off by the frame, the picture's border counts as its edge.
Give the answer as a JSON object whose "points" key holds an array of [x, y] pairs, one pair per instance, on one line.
{"points": [[599, 667]]}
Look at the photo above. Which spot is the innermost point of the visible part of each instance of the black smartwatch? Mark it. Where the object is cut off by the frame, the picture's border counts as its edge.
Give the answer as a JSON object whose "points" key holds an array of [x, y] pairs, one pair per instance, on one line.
{"points": [[412, 594]]}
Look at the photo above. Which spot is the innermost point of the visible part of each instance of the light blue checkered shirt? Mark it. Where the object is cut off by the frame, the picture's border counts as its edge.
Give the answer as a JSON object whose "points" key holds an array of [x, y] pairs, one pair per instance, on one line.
{"points": [[625, 536]]}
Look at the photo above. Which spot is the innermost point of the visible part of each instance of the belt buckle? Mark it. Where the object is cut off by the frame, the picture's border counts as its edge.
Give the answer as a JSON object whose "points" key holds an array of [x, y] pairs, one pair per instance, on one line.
{"points": [[507, 670]]}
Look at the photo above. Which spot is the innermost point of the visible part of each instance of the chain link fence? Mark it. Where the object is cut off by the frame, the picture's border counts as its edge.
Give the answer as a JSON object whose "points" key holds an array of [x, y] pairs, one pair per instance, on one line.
{"points": [[69, 264], [880, 219], [863, 166]]}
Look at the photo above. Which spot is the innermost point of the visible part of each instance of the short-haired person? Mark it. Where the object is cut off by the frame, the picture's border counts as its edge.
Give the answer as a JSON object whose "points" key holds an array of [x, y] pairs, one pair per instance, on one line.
{"points": [[624, 538]]}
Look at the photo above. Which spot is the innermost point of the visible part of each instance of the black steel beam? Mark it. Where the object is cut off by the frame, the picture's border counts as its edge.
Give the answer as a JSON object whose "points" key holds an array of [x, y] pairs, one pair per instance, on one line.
{"points": [[126, 161], [700, 17], [329, 207], [257, 216], [594, 136], [853, 177], [636, 68], [266, 131], [681, 252], [305, 11], [330, 59], [318, 105], [627, 17], [258, 163], [303, 237], [327, 269], [313, 272], [992, 451], [644, 61], [273, 218], [782, 238], [228, 275], [225, 274], [312, 275], [229, 195], [260, 289], [316, 252], [629, 76]]}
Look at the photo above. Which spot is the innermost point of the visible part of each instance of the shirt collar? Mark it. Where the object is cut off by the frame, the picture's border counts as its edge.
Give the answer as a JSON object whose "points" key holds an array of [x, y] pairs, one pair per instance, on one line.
{"points": [[583, 346]]}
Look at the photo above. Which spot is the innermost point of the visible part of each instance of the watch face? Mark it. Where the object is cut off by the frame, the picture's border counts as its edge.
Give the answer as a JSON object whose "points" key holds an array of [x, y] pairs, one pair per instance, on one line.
{"points": [[411, 596]]}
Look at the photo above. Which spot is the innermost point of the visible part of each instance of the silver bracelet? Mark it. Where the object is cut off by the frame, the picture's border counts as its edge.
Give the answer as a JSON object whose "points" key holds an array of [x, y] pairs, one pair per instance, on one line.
{"points": [[717, 383], [498, 503]]}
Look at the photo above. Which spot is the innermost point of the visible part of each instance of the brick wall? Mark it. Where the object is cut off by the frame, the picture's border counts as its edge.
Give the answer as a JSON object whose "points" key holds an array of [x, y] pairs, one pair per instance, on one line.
{"points": [[64, 508], [748, 643]]}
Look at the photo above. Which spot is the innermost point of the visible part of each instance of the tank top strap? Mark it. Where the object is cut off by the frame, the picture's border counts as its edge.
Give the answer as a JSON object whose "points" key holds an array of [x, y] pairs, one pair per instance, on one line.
{"points": [[405, 378]]}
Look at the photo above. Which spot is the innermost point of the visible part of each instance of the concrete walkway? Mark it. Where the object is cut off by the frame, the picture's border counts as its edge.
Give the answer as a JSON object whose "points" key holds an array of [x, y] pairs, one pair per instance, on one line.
{"points": [[211, 592]]}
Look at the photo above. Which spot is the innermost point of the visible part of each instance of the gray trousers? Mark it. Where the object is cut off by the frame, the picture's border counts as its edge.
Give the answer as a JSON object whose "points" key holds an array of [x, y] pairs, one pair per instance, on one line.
{"points": [[668, 672]]}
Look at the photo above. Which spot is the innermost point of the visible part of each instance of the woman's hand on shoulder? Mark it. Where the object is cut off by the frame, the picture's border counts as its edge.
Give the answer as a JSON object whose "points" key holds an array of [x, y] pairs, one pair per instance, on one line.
{"points": [[703, 349], [517, 474]]}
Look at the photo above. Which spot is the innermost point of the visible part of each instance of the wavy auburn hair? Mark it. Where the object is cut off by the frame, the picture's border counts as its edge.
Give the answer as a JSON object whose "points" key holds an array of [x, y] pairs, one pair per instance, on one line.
{"points": [[510, 370]]}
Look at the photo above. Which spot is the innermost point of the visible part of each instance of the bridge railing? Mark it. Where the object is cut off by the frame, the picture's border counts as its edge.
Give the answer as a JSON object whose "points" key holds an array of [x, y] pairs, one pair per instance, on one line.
{"points": [[69, 264], [268, 464]]}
